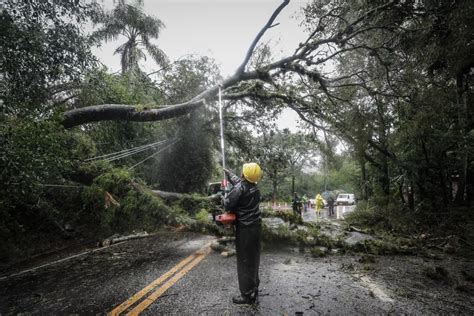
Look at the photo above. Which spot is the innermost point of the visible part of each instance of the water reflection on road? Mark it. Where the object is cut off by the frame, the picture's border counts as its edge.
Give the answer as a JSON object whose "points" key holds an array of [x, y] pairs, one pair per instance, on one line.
{"points": [[340, 211], [311, 216]]}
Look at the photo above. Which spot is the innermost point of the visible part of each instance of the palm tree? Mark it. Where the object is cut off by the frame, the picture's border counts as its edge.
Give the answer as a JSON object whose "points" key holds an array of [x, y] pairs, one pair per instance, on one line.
{"points": [[130, 21]]}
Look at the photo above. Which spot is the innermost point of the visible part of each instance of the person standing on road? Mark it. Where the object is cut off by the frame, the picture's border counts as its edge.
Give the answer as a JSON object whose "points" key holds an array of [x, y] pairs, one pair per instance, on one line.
{"points": [[304, 200], [331, 206], [244, 201], [319, 203], [296, 205]]}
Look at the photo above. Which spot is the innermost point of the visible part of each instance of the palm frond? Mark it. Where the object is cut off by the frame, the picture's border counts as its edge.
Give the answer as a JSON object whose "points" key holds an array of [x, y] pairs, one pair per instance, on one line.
{"points": [[130, 20], [150, 26], [157, 54], [120, 49], [138, 3], [109, 31]]}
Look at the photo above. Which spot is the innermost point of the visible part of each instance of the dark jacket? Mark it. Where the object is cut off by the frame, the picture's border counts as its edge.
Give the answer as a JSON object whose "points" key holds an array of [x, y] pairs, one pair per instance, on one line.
{"points": [[243, 200]]}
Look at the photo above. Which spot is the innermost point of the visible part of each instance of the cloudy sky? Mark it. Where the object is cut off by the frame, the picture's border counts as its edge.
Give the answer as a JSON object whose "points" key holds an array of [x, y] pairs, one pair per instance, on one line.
{"points": [[221, 29]]}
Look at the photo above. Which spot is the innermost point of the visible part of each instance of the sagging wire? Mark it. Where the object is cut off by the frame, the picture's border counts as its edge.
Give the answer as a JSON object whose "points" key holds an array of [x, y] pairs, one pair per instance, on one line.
{"points": [[126, 152], [154, 154], [148, 146]]}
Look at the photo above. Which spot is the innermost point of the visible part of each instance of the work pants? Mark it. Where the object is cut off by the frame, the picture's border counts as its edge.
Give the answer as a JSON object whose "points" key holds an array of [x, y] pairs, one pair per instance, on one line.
{"points": [[331, 210], [247, 244]]}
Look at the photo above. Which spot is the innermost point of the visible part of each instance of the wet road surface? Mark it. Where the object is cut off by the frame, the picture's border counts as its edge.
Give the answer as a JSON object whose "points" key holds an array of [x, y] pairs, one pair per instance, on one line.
{"points": [[98, 281], [291, 282], [339, 212]]}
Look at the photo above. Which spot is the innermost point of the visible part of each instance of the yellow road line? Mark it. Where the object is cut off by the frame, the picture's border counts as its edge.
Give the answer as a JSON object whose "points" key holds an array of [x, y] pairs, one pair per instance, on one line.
{"points": [[122, 307], [155, 295]]}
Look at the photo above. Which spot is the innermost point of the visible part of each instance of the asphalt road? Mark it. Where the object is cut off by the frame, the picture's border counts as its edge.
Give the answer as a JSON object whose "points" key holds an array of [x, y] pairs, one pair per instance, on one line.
{"points": [[202, 282], [98, 282]]}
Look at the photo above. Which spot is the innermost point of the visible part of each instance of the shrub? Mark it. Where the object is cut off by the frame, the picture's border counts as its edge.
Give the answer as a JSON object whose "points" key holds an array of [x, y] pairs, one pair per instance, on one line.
{"points": [[136, 209], [192, 204], [202, 215], [392, 217]]}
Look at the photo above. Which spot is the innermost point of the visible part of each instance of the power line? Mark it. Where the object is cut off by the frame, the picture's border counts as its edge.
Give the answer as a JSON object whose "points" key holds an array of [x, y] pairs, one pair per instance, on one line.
{"points": [[132, 153], [106, 156], [152, 155], [126, 152]]}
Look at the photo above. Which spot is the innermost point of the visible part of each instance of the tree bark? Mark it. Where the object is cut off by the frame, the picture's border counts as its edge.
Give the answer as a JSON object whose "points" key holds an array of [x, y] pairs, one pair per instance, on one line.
{"points": [[363, 170], [121, 112], [274, 190], [292, 183], [462, 114], [411, 196]]}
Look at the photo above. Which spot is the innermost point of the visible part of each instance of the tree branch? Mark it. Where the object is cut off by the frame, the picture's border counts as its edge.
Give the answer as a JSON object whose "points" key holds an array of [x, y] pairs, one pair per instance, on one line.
{"points": [[265, 73], [116, 112], [269, 24]]}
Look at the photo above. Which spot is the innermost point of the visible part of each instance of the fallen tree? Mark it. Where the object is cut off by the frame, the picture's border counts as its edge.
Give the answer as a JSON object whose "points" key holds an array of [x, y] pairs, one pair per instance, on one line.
{"points": [[267, 81], [106, 112], [306, 82]]}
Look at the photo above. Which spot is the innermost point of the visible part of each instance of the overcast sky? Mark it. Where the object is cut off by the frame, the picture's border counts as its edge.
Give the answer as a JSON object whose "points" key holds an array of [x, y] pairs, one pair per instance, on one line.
{"points": [[221, 29]]}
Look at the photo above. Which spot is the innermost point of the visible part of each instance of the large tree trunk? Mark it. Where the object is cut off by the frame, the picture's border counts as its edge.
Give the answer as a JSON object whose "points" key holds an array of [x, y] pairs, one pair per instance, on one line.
{"points": [[411, 196], [462, 148], [385, 177], [121, 112], [116, 112], [274, 189], [444, 186], [364, 186], [292, 183]]}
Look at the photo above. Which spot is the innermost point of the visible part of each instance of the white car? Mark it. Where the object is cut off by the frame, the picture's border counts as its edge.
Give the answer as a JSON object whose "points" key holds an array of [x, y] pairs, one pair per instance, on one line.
{"points": [[345, 199]]}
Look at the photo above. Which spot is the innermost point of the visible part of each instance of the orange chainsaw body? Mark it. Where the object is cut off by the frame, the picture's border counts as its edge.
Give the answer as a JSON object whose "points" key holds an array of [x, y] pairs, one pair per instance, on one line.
{"points": [[226, 218]]}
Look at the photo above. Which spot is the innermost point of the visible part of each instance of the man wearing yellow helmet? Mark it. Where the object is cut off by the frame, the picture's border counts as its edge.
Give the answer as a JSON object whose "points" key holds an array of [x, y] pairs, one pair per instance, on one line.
{"points": [[244, 201]]}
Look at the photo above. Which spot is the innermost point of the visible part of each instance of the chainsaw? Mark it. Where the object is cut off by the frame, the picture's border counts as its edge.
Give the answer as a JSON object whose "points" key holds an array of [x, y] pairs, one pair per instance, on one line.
{"points": [[226, 219]]}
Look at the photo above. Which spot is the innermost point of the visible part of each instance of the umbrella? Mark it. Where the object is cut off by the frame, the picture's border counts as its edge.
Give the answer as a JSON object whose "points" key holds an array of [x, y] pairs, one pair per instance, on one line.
{"points": [[327, 194]]}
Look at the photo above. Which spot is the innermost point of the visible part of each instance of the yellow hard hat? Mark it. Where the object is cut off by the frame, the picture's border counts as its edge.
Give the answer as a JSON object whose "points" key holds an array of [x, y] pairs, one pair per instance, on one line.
{"points": [[252, 172]]}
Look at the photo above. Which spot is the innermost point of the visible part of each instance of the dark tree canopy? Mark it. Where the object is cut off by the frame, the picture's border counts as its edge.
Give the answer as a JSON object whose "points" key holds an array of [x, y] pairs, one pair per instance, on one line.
{"points": [[43, 52]]}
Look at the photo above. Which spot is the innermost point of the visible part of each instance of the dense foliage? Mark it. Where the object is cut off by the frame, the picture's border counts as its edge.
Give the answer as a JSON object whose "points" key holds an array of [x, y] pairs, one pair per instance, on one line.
{"points": [[189, 164], [50, 191], [393, 82], [43, 54], [43, 51]]}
